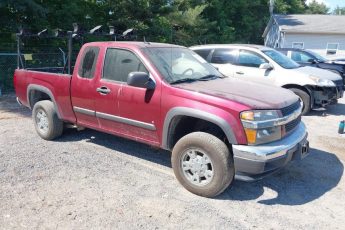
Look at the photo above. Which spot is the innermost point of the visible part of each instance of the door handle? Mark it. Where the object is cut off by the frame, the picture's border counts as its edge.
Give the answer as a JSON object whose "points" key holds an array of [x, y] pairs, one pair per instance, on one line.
{"points": [[103, 90], [240, 72]]}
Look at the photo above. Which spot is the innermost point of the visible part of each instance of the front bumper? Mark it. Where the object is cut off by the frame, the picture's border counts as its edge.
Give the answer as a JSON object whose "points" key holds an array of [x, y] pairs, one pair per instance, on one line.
{"points": [[324, 96], [255, 162]]}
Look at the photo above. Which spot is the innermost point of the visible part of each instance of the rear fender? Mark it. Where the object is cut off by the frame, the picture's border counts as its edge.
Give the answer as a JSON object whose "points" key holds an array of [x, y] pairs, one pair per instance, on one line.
{"points": [[45, 90]]}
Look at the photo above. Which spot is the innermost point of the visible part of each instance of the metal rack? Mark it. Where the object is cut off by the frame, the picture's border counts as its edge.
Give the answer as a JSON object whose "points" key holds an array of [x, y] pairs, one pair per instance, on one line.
{"points": [[76, 33]]}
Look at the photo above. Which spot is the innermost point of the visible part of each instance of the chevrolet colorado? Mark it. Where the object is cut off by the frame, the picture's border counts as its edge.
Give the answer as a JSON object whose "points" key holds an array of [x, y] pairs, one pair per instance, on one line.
{"points": [[169, 97]]}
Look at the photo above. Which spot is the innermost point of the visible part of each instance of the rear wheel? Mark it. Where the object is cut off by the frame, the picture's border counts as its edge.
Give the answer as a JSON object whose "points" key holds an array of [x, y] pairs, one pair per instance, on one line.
{"points": [[46, 121], [305, 98], [203, 164]]}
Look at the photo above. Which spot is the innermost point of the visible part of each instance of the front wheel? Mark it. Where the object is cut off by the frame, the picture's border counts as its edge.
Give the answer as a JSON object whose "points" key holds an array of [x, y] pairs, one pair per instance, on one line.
{"points": [[47, 123], [203, 164]]}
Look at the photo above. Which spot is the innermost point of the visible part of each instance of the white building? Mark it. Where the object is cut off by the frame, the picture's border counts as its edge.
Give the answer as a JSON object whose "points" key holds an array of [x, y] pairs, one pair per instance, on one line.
{"points": [[324, 34]]}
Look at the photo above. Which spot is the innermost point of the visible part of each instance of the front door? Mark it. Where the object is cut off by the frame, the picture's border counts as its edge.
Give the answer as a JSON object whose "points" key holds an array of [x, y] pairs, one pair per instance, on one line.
{"points": [[131, 111], [247, 68]]}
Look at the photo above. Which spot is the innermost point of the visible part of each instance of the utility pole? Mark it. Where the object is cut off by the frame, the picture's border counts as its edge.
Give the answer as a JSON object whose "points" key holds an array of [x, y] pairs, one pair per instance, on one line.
{"points": [[271, 7]]}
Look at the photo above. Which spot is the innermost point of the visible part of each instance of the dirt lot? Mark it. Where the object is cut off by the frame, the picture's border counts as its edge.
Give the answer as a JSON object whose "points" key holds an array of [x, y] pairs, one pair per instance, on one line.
{"points": [[89, 179]]}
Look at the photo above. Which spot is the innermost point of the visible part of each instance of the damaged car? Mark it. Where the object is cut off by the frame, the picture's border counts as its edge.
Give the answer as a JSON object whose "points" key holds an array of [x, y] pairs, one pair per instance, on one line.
{"points": [[316, 87]]}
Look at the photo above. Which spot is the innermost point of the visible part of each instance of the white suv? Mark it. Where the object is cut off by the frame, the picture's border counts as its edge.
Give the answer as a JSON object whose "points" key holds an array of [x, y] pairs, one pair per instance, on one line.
{"points": [[316, 87]]}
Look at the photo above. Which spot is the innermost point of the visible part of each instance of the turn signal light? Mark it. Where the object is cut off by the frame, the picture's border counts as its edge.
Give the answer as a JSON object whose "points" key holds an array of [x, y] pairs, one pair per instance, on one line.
{"points": [[247, 115], [251, 135]]}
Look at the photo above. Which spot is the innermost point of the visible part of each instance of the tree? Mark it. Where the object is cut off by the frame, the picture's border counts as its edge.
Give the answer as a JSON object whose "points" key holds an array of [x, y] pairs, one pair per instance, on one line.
{"points": [[317, 8], [289, 6], [339, 10]]}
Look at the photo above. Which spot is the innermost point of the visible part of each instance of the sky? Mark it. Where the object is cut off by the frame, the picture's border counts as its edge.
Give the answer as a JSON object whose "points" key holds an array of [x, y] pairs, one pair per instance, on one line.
{"points": [[331, 3]]}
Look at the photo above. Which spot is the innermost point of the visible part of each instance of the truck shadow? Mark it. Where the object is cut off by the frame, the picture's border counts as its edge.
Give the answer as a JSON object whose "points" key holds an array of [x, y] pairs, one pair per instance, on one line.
{"points": [[336, 110], [299, 183], [129, 147], [9, 105]]}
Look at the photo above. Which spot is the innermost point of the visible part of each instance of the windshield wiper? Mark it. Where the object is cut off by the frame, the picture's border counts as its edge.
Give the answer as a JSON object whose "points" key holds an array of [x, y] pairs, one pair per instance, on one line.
{"points": [[209, 77], [183, 80], [204, 78]]}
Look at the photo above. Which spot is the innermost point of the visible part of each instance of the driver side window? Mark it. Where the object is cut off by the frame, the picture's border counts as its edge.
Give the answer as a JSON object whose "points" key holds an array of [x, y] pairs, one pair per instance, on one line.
{"points": [[119, 63], [300, 57], [250, 59]]}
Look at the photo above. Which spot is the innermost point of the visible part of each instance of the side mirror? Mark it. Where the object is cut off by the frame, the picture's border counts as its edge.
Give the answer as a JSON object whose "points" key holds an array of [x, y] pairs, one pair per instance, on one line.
{"points": [[267, 66], [311, 60], [141, 80]]}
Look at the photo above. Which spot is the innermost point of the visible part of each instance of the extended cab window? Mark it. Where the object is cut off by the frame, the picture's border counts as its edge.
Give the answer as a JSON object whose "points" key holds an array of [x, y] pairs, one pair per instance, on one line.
{"points": [[88, 63], [119, 63], [250, 59], [224, 56]]}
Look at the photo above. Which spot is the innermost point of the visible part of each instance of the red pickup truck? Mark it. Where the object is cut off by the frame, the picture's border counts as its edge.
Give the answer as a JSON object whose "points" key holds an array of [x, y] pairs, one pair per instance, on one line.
{"points": [[168, 96]]}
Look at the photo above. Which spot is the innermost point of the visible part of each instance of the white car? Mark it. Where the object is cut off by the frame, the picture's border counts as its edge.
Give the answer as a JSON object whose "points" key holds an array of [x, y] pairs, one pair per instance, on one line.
{"points": [[316, 87]]}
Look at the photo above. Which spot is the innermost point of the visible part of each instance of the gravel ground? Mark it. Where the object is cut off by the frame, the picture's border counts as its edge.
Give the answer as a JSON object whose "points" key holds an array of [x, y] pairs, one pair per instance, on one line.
{"points": [[88, 179]]}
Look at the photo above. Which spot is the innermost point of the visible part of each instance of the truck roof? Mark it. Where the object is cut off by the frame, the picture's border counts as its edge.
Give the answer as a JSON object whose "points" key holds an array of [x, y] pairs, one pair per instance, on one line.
{"points": [[133, 44]]}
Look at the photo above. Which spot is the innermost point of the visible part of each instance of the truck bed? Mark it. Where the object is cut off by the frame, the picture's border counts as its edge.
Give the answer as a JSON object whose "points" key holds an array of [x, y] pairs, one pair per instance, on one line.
{"points": [[58, 85]]}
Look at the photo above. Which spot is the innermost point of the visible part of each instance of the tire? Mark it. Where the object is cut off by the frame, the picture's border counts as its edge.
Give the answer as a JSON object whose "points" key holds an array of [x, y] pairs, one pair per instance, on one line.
{"points": [[47, 124], [214, 158], [305, 99]]}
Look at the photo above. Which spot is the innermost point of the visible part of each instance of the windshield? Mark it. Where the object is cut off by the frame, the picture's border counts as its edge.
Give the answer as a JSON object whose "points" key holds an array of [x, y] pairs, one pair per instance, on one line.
{"points": [[281, 59], [318, 56], [179, 65]]}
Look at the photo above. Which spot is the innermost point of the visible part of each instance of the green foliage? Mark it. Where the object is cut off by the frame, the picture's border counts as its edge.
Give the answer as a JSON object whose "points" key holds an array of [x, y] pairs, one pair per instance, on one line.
{"points": [[185, 22], [317, 8], [290, 6], [339, 10]]}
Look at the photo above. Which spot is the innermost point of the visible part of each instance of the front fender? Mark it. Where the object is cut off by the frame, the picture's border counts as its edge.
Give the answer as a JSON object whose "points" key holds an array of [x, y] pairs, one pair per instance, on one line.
{"points": [[184, 111]]}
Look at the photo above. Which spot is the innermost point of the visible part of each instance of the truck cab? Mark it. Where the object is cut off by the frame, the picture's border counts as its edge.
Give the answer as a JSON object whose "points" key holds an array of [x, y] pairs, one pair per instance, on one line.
{"points": [[167, 96]]}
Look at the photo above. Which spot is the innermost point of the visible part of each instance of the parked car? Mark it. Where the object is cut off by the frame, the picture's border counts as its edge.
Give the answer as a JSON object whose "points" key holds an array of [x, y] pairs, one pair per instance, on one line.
{"points": [[169, 97], [316, 87], [310, 58], [339, 60]]}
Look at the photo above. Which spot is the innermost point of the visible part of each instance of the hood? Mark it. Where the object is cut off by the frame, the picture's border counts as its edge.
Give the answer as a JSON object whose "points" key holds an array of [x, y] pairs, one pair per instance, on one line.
{"points": [[320, 73], [336, 62], [254, 95]]}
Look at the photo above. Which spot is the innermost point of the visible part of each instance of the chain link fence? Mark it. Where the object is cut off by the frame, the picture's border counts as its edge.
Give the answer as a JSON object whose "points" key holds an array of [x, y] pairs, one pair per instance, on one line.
{"points": [[8, 63], [41, 61]]}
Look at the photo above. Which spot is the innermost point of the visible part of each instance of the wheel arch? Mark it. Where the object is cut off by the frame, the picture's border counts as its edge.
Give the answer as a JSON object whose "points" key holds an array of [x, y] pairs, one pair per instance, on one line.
{"points": [[173, 117], [36, 93], [304, 88]]}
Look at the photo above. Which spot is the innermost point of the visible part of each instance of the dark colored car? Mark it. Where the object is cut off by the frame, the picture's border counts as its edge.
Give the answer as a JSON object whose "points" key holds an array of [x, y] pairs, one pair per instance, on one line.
{"points": [[310, 58]]}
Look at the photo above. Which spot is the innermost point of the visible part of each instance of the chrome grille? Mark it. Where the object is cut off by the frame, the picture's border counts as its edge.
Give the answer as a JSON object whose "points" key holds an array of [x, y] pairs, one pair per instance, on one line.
{"points": [[290, 109], [292, 125]]}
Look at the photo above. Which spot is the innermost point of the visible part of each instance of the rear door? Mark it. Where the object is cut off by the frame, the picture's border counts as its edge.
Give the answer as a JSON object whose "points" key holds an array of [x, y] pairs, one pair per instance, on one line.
{"points": [[223, 59], [83, 91]]}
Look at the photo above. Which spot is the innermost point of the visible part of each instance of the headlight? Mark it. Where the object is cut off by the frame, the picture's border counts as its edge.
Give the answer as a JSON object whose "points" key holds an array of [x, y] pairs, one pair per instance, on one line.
{"points": [[259, 135], [259, 115], [322, 82]]}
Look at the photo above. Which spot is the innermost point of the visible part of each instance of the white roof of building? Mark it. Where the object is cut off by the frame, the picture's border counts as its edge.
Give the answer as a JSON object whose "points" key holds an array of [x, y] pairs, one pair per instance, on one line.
{"points": [[309, 23]]}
